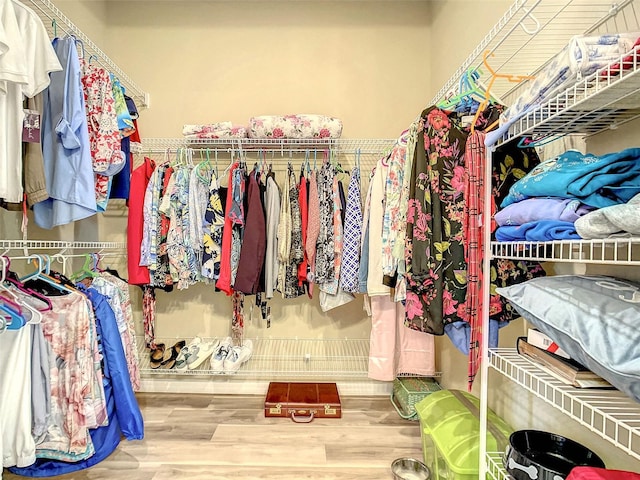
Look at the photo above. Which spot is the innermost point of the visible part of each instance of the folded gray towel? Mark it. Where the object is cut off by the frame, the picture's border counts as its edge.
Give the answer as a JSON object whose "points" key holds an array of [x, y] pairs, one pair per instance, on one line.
{"points": [[608, 220]]}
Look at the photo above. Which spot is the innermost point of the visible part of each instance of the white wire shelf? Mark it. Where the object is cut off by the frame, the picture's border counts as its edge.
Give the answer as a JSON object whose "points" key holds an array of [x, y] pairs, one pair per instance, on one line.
{"points": [[283, 358], [601, 101], [621, 251], [532, 32], [281, 145], [49, 13], [495, 467], [608, 413], [8, 245]]}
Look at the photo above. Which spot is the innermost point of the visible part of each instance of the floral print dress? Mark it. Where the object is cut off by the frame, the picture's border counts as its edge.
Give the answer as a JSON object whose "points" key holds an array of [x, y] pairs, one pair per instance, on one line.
{"points": [[435, 252], [443, 238]]}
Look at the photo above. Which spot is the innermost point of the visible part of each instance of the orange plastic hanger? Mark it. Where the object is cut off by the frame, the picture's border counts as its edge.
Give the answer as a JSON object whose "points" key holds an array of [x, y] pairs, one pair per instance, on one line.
{"points": [[494, 76]]}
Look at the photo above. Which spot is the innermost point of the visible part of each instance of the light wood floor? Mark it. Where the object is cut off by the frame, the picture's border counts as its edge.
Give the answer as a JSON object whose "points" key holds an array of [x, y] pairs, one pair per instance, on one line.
{"points": [[216, 437]]}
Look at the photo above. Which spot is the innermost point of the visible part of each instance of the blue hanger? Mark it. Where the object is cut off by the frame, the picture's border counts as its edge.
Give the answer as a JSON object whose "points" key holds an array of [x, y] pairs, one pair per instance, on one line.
{"points": [[17, 320], [529, 142]]}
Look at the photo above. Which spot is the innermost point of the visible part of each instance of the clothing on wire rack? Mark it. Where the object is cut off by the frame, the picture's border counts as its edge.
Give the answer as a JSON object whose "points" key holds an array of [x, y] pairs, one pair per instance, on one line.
{"points": [[67, 376], [72, 121], [28, 59]]}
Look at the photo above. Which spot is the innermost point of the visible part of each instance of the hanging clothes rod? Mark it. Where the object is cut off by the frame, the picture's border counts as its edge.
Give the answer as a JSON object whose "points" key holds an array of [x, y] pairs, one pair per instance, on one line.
{"points": [[61, 256], [282, 145], [256, 151], [54, 20]]}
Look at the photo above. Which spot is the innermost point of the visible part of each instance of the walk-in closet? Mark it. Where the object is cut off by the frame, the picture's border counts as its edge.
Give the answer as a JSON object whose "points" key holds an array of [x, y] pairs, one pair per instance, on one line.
{"points": [[320, 239]]}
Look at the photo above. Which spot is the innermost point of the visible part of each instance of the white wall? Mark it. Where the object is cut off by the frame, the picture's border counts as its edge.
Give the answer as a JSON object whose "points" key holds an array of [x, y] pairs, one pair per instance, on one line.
{"points": [[364, 62], [90, 16]]}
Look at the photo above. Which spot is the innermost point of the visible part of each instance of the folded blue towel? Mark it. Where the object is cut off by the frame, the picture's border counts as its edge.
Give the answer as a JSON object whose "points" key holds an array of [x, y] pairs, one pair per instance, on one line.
{"points": [[542, 231]]}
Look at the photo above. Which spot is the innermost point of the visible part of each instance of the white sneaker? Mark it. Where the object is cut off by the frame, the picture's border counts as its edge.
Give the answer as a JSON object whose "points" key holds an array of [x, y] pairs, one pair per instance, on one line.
{"points": [[219, 355], [237, 356], [185, 354], [201, 352]]}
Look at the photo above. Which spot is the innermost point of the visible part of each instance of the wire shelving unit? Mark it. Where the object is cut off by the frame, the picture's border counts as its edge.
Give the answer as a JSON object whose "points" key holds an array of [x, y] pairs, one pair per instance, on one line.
{"points": [[619, 251], [495, 468], [58, 23], [604, 100], [532, 32], [60, 246], [608, 413], [346, 358], [529, 35]]}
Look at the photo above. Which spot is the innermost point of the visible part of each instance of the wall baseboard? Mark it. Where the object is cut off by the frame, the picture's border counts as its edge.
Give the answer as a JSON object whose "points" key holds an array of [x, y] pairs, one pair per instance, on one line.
{"points": [[251, 387]]}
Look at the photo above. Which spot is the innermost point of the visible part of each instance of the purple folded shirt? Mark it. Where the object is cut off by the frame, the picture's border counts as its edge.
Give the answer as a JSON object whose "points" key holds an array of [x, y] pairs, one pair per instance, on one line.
{"points": [[542, 208]]}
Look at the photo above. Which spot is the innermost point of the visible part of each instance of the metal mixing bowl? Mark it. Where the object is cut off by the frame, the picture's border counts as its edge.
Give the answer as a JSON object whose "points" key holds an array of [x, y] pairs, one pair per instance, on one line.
{"points": [[409, 469]]}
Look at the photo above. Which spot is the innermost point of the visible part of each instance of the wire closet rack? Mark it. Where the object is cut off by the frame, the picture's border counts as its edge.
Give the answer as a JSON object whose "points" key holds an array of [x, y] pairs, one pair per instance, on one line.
{"points": [[525, 39], [494, 466], [59, 246], [608, 413], [60, 254], [621, 251], [532, 32], [343, 359], [283, 146], [285, 358], [528, 36], [58, 23]]}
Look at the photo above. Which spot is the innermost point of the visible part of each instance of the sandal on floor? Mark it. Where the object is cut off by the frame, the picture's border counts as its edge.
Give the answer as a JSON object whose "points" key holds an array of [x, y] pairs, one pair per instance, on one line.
{"points": [[170, 359], [156, 357]]}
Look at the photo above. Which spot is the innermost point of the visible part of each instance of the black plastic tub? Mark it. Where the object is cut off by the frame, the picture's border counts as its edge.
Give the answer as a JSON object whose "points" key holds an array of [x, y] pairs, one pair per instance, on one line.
{"points": [[537, 455]]}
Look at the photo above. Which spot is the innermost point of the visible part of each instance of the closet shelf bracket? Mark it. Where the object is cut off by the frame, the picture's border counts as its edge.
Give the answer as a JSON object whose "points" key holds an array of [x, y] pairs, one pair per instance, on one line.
{"points": [[49, 13]]}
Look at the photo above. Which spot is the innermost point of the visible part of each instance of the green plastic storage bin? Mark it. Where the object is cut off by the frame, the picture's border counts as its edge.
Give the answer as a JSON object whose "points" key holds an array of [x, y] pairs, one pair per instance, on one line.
{"points": [[450, 430]]}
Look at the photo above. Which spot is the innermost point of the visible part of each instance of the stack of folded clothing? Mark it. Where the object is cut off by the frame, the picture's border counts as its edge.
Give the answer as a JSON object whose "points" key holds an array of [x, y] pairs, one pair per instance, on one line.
{"points": [[623, 219], [539, 219], [214, 130], [567, 188]]}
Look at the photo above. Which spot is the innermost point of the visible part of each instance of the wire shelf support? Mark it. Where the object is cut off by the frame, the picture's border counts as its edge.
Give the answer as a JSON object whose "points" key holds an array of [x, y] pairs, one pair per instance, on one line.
{"points": [[608, 413], [49, 14]]}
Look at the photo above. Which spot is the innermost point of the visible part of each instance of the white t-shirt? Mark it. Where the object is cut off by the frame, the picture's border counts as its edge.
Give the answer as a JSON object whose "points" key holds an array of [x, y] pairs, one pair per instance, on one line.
{"points": [[13, 67], [41, 58], [19, 448], [26, 35]]}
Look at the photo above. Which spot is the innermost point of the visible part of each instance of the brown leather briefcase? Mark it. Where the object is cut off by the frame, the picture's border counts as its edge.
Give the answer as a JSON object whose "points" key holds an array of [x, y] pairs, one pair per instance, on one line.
{"points": [[302, 402]]}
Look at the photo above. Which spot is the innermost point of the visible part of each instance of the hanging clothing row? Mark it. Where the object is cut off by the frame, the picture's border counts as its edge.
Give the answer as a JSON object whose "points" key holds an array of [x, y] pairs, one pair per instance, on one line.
{"points": [[251, 236], [431, 190], [70, 152], [68, 371]]}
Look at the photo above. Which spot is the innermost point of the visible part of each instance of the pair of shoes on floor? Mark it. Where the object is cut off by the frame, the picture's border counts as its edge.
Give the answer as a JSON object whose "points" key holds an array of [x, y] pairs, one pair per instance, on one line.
{"points": [[195, 353], [228, 358]]}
